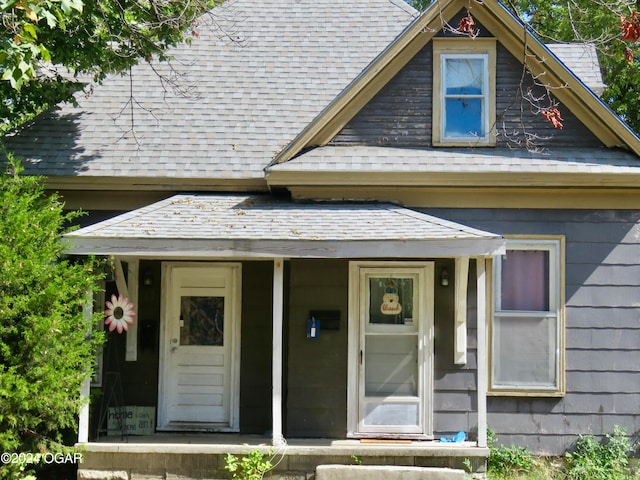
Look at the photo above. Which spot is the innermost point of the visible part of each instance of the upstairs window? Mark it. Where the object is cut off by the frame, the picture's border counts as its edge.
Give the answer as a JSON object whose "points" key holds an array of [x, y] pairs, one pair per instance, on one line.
{"points": [[464, 92]]}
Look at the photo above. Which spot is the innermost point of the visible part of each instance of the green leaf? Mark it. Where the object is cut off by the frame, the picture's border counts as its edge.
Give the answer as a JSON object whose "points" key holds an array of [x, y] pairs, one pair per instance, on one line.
{"points": [[51, 19], [69, 5], [7, 74], [32, 30]]}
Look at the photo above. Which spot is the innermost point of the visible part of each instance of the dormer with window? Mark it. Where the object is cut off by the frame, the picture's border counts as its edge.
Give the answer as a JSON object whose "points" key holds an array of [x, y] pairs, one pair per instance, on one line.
{"points": [[464, 91]]}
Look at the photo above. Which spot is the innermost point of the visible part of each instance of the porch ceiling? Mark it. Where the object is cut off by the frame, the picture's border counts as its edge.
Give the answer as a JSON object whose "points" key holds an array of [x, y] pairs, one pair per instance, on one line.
{"points": [[261, 226]]}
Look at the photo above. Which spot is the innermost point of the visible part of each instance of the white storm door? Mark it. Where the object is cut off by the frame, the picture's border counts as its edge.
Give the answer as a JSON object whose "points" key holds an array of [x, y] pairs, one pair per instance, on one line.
{"points": [[199, 382], [394, 358]]}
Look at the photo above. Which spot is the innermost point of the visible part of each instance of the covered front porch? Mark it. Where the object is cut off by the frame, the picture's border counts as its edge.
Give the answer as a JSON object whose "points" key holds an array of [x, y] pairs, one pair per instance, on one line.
{"points": [[372, 380], [203, 455]]}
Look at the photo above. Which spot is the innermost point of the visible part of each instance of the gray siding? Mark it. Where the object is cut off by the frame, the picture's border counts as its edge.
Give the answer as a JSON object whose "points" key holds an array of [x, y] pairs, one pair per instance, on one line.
{"points": [[255, 360], [455, 392], [602, 327], [400, 114], [317, 368]]}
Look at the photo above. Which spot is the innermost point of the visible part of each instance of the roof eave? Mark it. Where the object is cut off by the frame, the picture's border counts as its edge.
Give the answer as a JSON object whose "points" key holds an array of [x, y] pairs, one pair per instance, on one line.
{"points": [[266, 249], [517, 179]]}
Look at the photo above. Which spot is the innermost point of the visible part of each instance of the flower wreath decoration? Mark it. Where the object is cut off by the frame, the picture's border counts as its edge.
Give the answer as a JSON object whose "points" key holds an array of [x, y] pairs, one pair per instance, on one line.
{"points": [[119, 313]]}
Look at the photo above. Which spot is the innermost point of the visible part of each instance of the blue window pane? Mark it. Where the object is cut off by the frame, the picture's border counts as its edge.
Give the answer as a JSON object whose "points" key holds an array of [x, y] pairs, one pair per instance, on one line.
{"points": [[464, 76], [463, 117]]}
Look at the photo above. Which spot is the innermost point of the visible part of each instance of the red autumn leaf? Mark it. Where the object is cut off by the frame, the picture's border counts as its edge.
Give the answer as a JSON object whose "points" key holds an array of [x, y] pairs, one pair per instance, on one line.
{"points": [[630, 27], [628, 55], [466, 25], [552, 115]]}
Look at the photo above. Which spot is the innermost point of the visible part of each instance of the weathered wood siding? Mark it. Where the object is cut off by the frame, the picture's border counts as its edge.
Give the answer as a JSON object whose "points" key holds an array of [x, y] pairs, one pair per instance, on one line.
{"points": [[317, 369], [602, 328], [316, 404], [455, 393], [255, 351], [400, 114]]}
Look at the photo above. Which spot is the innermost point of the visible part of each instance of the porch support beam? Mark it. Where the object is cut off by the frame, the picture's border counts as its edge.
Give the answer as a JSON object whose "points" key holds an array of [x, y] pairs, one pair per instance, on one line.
{"points": [[85, 386], [278, 322], [131, 354], [482, 365], [460, 331]]}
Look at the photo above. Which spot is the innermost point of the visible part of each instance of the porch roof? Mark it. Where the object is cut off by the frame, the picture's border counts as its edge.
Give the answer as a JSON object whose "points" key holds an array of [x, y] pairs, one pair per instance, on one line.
{"points": [[263, 226]]}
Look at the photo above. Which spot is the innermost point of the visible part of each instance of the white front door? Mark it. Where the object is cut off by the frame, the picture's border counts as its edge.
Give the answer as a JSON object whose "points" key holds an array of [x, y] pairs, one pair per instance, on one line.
{"points": [[391, 339], [199, 362]]}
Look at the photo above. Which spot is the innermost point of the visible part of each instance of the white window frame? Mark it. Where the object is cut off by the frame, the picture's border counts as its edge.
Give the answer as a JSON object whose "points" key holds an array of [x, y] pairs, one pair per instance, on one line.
{"points": [[478, 48], [555, 246]]}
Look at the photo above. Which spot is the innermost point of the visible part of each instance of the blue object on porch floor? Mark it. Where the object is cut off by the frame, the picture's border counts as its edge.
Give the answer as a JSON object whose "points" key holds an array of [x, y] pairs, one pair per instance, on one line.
{"points": [[457, 438]]}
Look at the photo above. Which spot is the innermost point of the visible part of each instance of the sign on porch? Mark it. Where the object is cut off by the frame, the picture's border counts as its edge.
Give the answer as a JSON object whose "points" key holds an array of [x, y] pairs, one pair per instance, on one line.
{"points": [[131, 420]]}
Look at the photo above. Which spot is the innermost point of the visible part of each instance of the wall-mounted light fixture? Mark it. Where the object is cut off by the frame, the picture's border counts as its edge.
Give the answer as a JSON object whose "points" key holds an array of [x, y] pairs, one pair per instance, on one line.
{"points": [[147, 278], [444, 277]]}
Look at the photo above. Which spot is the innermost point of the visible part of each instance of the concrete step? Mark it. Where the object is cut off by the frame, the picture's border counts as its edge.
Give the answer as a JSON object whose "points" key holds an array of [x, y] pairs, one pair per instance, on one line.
{"points": [[386, 472]]}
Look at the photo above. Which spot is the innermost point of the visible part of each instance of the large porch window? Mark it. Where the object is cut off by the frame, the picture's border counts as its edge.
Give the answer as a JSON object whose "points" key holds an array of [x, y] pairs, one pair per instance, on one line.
{"points": [[527, 328]]}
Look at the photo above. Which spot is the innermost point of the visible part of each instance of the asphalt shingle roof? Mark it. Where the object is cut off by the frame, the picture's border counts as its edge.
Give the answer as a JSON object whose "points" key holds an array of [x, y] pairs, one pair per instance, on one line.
{"points": [[258, 72], [582, 60], [263, 217], [363, 159], [237, 222]]}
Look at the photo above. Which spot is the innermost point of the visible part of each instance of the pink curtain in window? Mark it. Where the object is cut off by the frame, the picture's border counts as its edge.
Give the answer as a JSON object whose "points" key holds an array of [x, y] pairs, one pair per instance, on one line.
{"points": [[525, 280]]}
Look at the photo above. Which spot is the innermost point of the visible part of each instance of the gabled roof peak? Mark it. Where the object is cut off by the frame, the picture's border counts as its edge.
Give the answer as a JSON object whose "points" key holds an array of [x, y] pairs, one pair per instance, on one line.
{"points": [[512, 33]]}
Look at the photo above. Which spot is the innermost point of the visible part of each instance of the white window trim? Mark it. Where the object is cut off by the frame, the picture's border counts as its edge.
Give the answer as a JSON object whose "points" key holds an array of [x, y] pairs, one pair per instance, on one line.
{"points": [[556, 247], [446, 48]]}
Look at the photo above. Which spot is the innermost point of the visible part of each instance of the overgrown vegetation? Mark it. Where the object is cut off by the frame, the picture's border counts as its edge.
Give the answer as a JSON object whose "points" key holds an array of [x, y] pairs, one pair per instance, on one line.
{"points": [[47, 346], [252, 466], [505, 462], [605, 460], [608, 459]]}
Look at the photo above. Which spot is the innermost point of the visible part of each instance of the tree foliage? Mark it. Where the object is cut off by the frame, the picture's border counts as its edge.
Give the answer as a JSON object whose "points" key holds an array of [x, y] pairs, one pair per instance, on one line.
{"points": [[47, 345], [46, 44], [596, 21]]}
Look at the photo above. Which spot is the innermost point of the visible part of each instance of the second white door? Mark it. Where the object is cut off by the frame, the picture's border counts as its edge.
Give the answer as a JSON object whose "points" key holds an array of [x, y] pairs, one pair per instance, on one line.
{"points": [[199, 380]]}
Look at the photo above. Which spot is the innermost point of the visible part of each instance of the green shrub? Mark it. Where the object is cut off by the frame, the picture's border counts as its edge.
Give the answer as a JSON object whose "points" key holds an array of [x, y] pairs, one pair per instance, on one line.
{"points": [[604, 460], [504, 462], [252, 466], [47, 346]]}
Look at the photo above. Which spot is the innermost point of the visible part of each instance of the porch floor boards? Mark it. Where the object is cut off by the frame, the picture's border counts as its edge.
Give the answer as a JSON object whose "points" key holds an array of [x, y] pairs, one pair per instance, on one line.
{"points": [[241, 444]]}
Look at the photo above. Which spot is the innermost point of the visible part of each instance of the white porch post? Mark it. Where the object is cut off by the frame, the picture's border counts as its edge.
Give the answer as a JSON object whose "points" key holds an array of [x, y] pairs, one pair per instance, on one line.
{"points": [[85, 387], [278, 311], [482, 351], [460, 331], [83, 420]]}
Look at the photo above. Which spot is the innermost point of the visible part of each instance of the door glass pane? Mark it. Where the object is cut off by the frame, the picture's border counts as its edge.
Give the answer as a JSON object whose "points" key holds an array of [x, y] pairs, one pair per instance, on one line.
{"points": [[525, 351], [202, 321], [391, 414], [391, 301], [391, 365]]}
